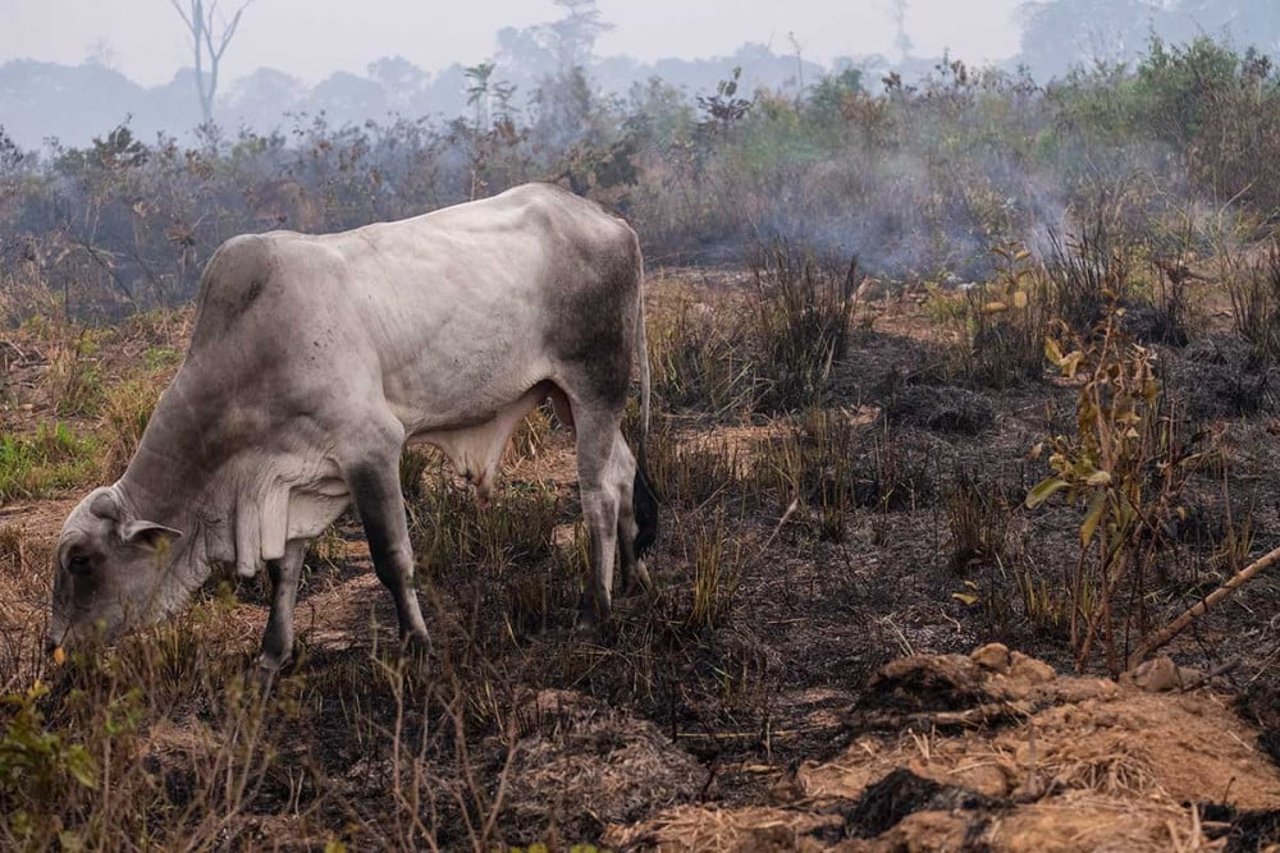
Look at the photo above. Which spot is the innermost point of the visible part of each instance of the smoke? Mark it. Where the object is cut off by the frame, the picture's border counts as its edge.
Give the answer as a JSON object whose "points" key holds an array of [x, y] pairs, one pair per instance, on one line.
{"points": [[931, 194]]}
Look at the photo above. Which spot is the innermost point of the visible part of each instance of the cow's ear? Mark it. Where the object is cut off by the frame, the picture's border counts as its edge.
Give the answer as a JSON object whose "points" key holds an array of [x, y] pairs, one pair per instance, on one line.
{"points": [[148, 534], [104, 505]]}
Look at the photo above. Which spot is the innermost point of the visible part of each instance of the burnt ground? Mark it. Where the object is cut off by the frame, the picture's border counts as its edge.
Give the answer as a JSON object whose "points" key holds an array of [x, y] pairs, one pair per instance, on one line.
{"points": [[738, 705]]}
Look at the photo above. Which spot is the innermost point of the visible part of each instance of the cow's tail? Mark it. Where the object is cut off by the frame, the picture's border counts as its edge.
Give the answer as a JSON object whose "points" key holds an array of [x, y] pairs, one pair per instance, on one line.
{"points": [[644, 501]]}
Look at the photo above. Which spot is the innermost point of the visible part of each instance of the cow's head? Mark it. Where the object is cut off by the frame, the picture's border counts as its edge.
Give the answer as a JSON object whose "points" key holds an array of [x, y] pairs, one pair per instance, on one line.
{"points": [[110, 571]]}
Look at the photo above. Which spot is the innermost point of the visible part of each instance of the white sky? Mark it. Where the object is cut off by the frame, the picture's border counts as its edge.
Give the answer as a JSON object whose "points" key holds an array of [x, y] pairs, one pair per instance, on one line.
{"points": [[312, 38]]}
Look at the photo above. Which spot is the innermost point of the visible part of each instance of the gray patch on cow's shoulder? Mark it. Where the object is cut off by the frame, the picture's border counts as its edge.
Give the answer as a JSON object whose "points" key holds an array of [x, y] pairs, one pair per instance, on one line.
{"points": [[250, 295]]}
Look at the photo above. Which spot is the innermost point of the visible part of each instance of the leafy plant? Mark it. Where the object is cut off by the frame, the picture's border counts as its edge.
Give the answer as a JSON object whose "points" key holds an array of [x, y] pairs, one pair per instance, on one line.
{"points": [[1126, 463], [36, 765], [1003, 324]]}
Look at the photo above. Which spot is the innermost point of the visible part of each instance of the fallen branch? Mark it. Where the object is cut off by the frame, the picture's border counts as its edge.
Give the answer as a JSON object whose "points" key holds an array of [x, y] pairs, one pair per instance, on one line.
{"points": [[1177, 626], [1216, 672]]}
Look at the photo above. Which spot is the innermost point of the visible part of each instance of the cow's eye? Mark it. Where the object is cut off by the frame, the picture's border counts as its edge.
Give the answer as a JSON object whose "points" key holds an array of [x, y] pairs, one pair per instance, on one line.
{"points": [[78, 565]]}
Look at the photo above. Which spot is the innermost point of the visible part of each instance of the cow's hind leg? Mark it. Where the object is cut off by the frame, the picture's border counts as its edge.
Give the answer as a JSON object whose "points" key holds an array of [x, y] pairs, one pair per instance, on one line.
{"points": [[597, 486], [375, 489], [633, 495]]}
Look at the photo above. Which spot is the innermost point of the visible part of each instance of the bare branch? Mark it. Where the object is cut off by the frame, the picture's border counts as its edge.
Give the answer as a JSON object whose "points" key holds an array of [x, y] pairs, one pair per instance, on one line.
{"points": [[230, 31], [177, 7]]}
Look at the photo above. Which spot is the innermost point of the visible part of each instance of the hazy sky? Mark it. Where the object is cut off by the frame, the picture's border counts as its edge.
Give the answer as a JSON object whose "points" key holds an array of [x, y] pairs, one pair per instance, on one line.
{"points": [[309, 39]]}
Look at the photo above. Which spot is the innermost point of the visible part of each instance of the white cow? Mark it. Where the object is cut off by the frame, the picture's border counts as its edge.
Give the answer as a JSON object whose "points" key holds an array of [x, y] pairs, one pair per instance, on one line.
{"points": [[315, 359]]}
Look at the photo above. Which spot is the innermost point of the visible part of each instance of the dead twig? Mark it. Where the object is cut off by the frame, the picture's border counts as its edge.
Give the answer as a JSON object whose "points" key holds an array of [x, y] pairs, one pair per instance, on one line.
{"points": [[1177, 626], [1221, 669]]}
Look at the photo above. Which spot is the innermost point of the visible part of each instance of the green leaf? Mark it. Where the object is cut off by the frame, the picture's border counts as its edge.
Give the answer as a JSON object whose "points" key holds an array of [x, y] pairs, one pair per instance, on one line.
{"points": [[80, 765], [1043, 490], [1099, 478], [966, 598], [1091, 519]]}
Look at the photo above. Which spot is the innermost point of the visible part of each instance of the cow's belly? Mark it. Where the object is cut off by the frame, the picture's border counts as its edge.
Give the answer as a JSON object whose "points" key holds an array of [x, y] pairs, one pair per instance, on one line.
{"points": [[475, 451]]}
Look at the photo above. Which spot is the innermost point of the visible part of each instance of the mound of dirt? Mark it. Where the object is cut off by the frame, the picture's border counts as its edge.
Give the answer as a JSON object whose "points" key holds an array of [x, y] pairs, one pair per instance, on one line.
{"points": [[996, 751]]}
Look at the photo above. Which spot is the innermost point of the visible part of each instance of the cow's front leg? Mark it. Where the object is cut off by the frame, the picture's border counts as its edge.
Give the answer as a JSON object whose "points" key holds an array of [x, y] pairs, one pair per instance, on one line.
{"points": [[376, 491], [277, 640]]}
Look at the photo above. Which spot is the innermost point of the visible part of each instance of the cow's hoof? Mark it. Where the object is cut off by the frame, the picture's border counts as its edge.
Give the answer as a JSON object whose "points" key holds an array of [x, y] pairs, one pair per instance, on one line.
{"points": [[591, 618]]}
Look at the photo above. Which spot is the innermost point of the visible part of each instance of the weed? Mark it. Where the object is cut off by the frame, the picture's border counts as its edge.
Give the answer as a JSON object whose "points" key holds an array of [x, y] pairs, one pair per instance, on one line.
{"points": [[830, 467], [37, 767], [76, 377], [978, 516], [701, 361], [1085, 275], [414, 462], [158, 358], [36, 465], [690, 472], [800, 326], [715, 572], [1255, 305], [450, 531], [1001, 342], [126, 410], [814, 464]]}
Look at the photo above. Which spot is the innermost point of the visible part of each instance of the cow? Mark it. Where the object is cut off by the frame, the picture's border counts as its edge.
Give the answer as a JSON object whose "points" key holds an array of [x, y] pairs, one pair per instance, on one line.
{"points": [[315, 359]]}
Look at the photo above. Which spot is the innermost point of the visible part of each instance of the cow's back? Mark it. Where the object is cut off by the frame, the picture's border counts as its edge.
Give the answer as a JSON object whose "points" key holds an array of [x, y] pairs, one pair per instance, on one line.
{"points": [[445, 315]]}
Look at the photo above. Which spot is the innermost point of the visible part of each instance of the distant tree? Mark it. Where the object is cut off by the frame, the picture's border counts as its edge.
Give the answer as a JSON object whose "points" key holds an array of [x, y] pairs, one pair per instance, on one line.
{"points": [[573, 37], [401, 80], [100, 52], [565, 103], [525, 54], [483, 91], [833, 93], [397, 74], [211, 34], [724, 109]]}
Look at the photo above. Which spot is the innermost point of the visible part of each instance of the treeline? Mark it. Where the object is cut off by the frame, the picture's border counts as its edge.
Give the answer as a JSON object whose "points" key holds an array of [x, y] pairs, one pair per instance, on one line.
{"points": [[919, 181]]}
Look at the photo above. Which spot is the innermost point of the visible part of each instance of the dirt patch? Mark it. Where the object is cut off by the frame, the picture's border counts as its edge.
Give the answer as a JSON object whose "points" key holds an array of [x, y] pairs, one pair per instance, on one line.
{"points": [[996, 751]]}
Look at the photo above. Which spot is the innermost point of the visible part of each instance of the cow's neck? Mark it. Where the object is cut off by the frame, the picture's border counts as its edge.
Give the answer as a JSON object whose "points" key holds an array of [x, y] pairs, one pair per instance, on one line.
{"points": [[167, 477]]}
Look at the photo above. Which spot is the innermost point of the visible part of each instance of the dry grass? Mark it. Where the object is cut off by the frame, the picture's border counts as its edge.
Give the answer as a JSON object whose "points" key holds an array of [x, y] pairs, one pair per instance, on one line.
{"points": [[788, 541]]}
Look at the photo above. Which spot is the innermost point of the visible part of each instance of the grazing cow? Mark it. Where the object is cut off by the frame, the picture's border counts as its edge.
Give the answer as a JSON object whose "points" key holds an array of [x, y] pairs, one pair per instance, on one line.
{"points": [[315, 359]]}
